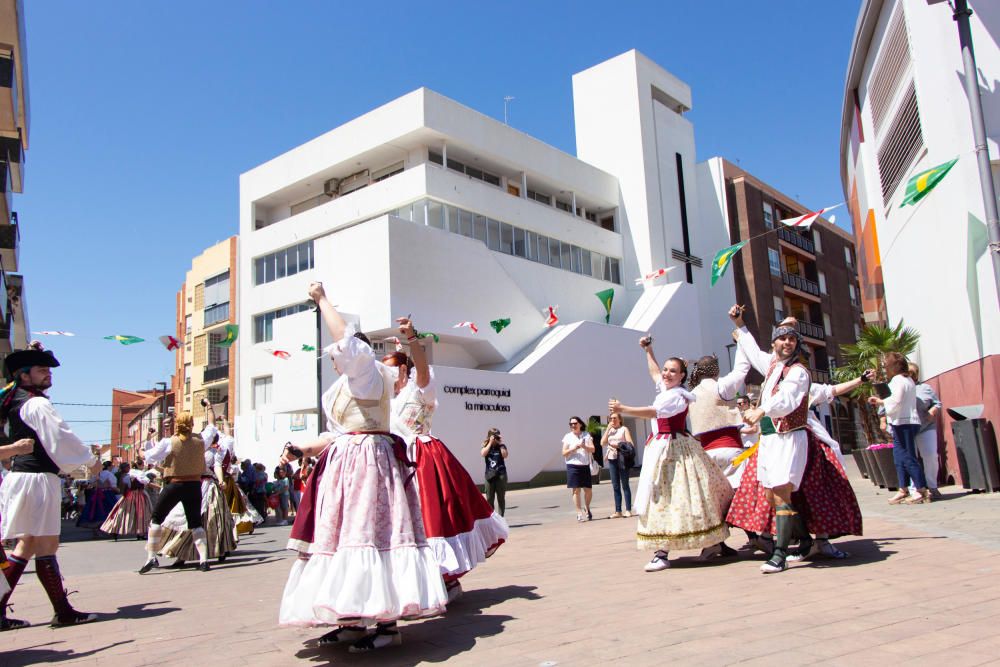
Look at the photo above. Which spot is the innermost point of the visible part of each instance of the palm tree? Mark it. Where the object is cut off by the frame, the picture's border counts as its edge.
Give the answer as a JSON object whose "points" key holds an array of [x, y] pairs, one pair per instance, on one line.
{"points": [[875, 340]]}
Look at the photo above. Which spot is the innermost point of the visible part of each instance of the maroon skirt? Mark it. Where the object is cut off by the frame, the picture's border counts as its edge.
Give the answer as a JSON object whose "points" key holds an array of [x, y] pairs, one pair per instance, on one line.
{"points": [[825, 498]]}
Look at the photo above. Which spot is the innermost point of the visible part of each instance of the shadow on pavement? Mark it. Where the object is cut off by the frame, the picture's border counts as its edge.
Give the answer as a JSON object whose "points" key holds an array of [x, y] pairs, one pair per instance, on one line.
{"points": [[136, 611], [434, 640], [522, 525], [37, 655]]}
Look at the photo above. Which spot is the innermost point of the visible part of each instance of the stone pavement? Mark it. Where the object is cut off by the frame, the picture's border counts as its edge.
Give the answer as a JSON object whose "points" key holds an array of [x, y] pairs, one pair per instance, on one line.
{"points": [[920, 589]]}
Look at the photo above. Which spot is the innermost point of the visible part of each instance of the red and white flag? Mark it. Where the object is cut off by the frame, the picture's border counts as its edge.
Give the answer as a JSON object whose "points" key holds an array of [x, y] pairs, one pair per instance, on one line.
{"points": [[396, 341], [804, 221], [170, 343], [471, 325], [650, 277], [281, 354], [551, 319], [53, 333]]}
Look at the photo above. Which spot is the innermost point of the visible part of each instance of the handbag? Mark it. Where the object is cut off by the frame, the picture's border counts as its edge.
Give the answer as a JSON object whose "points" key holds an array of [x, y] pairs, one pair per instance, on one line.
{"points": [[595, 467], [491, 474]]}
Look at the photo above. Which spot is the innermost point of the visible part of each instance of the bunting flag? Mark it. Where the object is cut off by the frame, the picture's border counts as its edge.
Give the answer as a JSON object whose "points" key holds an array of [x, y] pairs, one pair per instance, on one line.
{"points": [[232, 333], [53, 333], [650, 277], [551, 319], [722, 259], [471, 325], [805, 221], [500, 324], [918, 186], [428, 334], [308, 348], [281, 354], [125, 340], [606, 296], [396, 341], [170, 343]]}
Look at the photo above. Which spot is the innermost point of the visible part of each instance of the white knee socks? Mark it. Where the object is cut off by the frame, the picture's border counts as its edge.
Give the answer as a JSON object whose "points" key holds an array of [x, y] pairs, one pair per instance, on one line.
{"points": [[200, 543], [152, 540]]}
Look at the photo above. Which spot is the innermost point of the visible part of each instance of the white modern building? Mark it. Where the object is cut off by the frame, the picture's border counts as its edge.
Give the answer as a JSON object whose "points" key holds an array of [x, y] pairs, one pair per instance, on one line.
{"points": [[905, 110], [426, 207]]}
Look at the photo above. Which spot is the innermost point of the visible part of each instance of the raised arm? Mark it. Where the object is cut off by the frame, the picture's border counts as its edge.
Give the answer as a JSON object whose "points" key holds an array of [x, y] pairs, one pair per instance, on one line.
{"points": [[731, 384], [647, 412], [745, 341], [417, 353], [335, 324], [646, 343]]}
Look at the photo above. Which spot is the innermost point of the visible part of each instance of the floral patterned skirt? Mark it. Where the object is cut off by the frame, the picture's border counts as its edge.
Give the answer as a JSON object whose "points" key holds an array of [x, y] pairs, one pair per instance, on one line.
{"points": [[825, 498], [687, 497]]}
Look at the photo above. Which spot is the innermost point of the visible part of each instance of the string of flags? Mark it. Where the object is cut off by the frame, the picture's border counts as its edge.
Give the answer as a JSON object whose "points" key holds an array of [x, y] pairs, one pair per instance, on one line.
{"points": [[470, 325]]}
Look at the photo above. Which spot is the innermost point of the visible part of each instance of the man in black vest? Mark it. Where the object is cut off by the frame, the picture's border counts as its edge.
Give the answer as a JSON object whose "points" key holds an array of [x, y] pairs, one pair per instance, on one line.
{"points": [[31, 495]]}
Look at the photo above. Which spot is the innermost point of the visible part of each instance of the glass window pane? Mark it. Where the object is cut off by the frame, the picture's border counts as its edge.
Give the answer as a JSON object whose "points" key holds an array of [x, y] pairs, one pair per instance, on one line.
{"points": [[493, 234], [566, 253], [506, 238], [615, 272], [554, 259], [466, 223], [597, 265], [518, 246], [281, 270], [435, 214], [543, 249], [585, 263], [479, 228], [304, 256], [258, 271], [269, 268], [531, 244]]}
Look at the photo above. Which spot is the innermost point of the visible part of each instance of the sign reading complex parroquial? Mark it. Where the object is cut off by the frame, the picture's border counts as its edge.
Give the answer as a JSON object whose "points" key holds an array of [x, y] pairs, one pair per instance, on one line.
{"points": [[480, 392]]}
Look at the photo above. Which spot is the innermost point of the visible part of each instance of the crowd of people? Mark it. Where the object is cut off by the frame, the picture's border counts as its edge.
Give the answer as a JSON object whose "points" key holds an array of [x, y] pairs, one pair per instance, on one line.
{"points": [[386, 521]]}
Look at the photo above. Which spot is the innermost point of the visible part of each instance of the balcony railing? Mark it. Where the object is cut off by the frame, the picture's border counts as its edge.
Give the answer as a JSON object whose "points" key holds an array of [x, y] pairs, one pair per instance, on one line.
{"points": [[818, 375], [215, 373], [10, 246], [797, 240], [800, 283], [811, 330]]}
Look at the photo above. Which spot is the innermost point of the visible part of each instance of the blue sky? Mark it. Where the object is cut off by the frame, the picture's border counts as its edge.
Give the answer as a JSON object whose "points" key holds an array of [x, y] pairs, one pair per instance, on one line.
{"points": [[143, 115]]}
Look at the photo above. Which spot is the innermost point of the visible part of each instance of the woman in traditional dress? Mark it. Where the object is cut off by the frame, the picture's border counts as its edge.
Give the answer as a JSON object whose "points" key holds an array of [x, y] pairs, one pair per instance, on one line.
{"points": [[461, 527], [133, 511], [682, 494], [216, 519], [101, 499], [363, 555], [825, 498]]}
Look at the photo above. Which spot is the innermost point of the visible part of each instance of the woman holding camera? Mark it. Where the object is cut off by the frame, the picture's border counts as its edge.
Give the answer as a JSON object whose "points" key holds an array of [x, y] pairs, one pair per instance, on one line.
{"points": [[620, 452], [494, 451]]}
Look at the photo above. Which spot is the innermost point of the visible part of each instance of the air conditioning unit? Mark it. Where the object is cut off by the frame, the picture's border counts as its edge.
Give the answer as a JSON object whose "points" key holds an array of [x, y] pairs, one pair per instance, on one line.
{"points": [[354, 182], [331, 187]]}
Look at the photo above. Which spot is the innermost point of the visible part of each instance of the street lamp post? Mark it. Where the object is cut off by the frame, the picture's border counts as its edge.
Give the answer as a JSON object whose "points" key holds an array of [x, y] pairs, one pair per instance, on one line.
{"points": [[163, 409]]}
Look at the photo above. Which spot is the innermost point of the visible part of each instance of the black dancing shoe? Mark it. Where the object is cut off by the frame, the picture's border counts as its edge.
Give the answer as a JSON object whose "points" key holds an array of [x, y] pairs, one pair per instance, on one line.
{"points": [[12, 624], [73, 618], [345, 633], [203, 567], [177, 564], [149, 565]]}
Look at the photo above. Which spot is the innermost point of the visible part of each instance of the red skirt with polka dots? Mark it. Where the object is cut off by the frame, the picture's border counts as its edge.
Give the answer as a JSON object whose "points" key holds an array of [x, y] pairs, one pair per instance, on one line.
{"points": [[825, 498]]}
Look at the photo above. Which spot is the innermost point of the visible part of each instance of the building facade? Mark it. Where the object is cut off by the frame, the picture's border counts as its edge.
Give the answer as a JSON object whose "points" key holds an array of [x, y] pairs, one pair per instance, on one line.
{"points": [[206, 303], [904, 111], [125, 406], [426, 207], [156, 416], [14, 122], [808, 273]]}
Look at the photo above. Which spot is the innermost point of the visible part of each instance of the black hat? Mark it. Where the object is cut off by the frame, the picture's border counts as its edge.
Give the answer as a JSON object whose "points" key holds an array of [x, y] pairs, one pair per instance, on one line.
{"points": [[29, 358]]}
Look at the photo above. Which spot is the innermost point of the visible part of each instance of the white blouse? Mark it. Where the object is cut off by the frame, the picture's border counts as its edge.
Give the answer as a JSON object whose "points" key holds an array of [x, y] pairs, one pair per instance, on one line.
{"points": [[579, 457], [901, 404], [669, 402], [65, 449]]}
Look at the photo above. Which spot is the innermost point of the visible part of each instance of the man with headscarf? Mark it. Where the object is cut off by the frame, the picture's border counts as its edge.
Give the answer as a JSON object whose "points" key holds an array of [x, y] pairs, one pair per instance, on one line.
{"points": [[782, 415], [31, 495]]}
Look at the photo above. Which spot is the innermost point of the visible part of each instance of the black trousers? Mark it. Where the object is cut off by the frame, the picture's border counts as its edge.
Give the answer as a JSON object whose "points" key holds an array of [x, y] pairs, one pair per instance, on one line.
{"points": [[186, 493]]}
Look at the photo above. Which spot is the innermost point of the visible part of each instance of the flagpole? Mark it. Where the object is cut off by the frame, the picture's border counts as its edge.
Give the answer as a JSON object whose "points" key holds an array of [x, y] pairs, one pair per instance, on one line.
{"points": [[961, 16]]}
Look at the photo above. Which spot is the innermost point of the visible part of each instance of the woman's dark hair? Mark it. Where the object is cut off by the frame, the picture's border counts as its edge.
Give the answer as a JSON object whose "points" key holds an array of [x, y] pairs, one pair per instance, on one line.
{"points": [[360, 336], [583, 424], [398, 359], [683, 365]]}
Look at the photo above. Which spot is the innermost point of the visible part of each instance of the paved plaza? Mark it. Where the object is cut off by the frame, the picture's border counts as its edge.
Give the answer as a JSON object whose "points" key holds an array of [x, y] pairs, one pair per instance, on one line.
{"points": [[922, 588]]}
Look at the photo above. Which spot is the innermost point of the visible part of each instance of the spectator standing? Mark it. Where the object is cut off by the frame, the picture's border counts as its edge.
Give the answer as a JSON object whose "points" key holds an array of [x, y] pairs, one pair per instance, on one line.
{"points": [[901, 413], [928, 408], [258, 491], [494, 451], [282, 489], [618, 441], [578, 450]]}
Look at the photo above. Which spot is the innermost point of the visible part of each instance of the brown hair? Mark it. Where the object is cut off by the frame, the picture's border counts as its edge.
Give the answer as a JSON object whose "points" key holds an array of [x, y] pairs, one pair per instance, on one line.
{"points": [[895, 364], [398, 359], [184, 422], [914, 372]]}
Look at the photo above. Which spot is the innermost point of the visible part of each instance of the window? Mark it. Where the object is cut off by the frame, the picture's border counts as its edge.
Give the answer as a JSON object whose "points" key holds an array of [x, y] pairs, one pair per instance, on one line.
{"points": [[554, 256], [822, 282], [200, 350], [386, 172], [792, 264], [854, 295], [563, 206], [479, 227], [857, 331], [817, 241], [779, 308], [187, 324], [261, 396], [435, 158], [518, 244], [199, 296], [543, 249], [586, 263], [848, 257], [281, 264], [493, 234], [214, 395], [217, 356], [540, 197], [616, 276], [506, 238], [216, 290], [263, 324], [774, 261], [768, 216], [531, 245], [435, 214], [608, 223], [591, 216], [828, 329], [216, 314]]}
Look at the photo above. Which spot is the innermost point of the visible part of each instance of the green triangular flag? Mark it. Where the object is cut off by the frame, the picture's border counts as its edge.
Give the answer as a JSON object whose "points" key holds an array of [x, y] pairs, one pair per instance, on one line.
{"points": [[918, 186], [606, 296], [501, 324], [308, 348], [428, 334], [722, 259], [125, 340], [232, 333]]}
